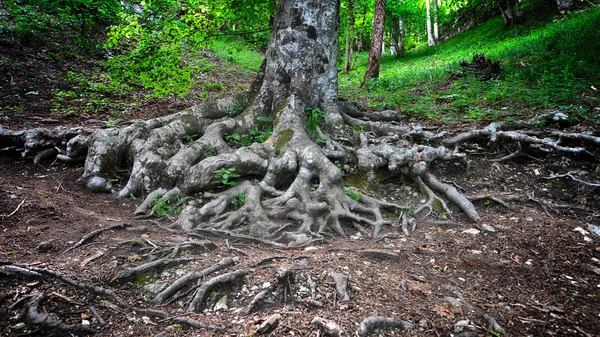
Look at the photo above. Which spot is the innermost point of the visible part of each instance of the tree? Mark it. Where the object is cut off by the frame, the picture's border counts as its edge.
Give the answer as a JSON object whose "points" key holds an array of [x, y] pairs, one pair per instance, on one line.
{"points": [[350, 37], [430, 38], [376, 42], [285, 161], [436, 33]]}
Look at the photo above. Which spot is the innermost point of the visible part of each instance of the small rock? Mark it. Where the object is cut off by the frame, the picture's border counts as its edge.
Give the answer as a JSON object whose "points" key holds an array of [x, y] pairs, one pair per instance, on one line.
{"points": [[488, 228], [147, 320], [471, 231], [85, 322], [428, 237], [266, 285], [423, 323], [309, 248], [463, 325], [221, 304], [454, 304], [303, 292], [20, 326], [529, 219], [155, 288], [529, 262], [44, 246]]}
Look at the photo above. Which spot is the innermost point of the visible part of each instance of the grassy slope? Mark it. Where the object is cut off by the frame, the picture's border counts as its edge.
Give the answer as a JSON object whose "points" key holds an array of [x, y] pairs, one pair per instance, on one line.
{"points": [[551, 65]]}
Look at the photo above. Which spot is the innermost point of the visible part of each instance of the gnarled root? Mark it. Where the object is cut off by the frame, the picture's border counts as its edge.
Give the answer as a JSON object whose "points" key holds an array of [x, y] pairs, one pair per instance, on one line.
{"points": [[192, 277], [341, 284], [51, 321], [197, 303]]}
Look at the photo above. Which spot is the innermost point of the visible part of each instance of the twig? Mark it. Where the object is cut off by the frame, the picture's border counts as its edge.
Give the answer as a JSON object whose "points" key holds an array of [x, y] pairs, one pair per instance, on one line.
{"points": [[570, 175], [15, 211], [68, 299], [94, 312], [92, 235]]}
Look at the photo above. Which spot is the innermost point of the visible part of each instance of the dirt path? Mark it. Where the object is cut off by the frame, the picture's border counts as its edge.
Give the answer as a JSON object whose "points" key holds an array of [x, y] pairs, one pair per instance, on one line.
{"points": [[535, 275]]}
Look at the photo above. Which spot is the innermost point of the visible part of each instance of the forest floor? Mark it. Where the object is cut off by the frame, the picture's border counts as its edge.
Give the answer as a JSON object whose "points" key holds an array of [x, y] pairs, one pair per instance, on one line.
{"points": [[532, 264]]}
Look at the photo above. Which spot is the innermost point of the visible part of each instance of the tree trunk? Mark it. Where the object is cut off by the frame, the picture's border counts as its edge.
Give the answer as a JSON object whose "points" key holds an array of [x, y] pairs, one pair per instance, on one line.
{"points": [[436, 33], [350, 37], [564, 5], [398, 36], [376, 42], [430, 39], [287, 181], [507, 8]]}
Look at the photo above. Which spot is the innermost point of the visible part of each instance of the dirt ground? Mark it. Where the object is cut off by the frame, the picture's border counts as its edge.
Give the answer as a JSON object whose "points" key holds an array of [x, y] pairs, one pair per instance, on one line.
{"points": [[532, 264]]}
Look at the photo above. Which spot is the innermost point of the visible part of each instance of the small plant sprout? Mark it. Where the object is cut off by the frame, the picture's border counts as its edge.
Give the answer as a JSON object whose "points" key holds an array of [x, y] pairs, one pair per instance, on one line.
{"points": [[314, 117], [111, 122], [239, 200], [351, 194], [225, 177]]}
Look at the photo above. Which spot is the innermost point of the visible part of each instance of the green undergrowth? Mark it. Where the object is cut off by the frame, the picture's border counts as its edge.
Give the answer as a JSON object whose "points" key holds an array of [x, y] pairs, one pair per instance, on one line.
{"points": [[545, 65]]}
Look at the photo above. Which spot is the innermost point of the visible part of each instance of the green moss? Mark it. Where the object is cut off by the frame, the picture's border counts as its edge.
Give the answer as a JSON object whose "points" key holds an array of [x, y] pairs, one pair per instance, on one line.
{"points": [[283, 139], [359, 180], [383, 175], [143, 279]]}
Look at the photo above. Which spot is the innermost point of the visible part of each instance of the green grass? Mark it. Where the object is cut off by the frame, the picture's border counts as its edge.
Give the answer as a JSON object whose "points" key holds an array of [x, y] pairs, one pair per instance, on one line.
{"points": [[544, 66], [238, 53]]}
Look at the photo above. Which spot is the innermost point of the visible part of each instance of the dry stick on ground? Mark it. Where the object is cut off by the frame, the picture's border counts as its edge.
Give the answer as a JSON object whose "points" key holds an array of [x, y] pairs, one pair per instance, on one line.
{"points": [[15, 211], [51, 321], [200, 296], [92, 235], [101, 320], [192, 277], [378, 322], [329, 328], [570, 175]]}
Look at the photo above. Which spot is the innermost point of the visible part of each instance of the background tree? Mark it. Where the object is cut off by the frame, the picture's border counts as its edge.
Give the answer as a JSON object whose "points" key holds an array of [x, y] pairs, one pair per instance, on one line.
{"points": [[376, 42], [430, 38]]}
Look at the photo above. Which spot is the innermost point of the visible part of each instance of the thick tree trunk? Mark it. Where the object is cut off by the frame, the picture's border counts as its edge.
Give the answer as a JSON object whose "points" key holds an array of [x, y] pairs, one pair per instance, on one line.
{"points": [[350, 37], [430, 39], [376, 42]]}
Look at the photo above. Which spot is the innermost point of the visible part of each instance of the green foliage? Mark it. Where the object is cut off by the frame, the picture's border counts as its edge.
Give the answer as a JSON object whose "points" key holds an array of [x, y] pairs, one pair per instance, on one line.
{"points": [[191, 138], [226, 177], [43, 21], [162, 206], [352, 194], [314, 118], [239, 200], [544, 66], [255, 135]]}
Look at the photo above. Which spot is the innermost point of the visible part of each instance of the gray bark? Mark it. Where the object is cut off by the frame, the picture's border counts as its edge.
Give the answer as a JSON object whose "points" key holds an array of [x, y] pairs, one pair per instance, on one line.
{"points": [[430, 39]]}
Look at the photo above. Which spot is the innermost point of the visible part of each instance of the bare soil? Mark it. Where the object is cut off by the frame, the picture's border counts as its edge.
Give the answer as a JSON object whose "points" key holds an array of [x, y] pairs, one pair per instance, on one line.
{"points": [[535, 274]]}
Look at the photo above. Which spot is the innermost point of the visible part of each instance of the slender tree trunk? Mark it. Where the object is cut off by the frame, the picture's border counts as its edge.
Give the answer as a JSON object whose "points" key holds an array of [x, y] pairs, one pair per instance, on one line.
{"points": [[507, 8], [376, 42], [436, 33], [398, 38], [350, 37], [430, 40]]}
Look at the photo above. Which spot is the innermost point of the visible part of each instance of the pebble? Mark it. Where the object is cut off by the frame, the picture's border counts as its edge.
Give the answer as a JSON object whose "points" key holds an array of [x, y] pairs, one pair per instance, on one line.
{"points": [[44, 246], [488, 228], [471, 231]]}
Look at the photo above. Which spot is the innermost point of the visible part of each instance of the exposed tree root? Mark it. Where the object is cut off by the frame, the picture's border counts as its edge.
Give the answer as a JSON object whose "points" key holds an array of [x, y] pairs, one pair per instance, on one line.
{"points": [[285, 279], [51, 321], [341, 284], [329, 327], [372, 323], [197, 303], [86, 238], [192, 277], [150, 267]]}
